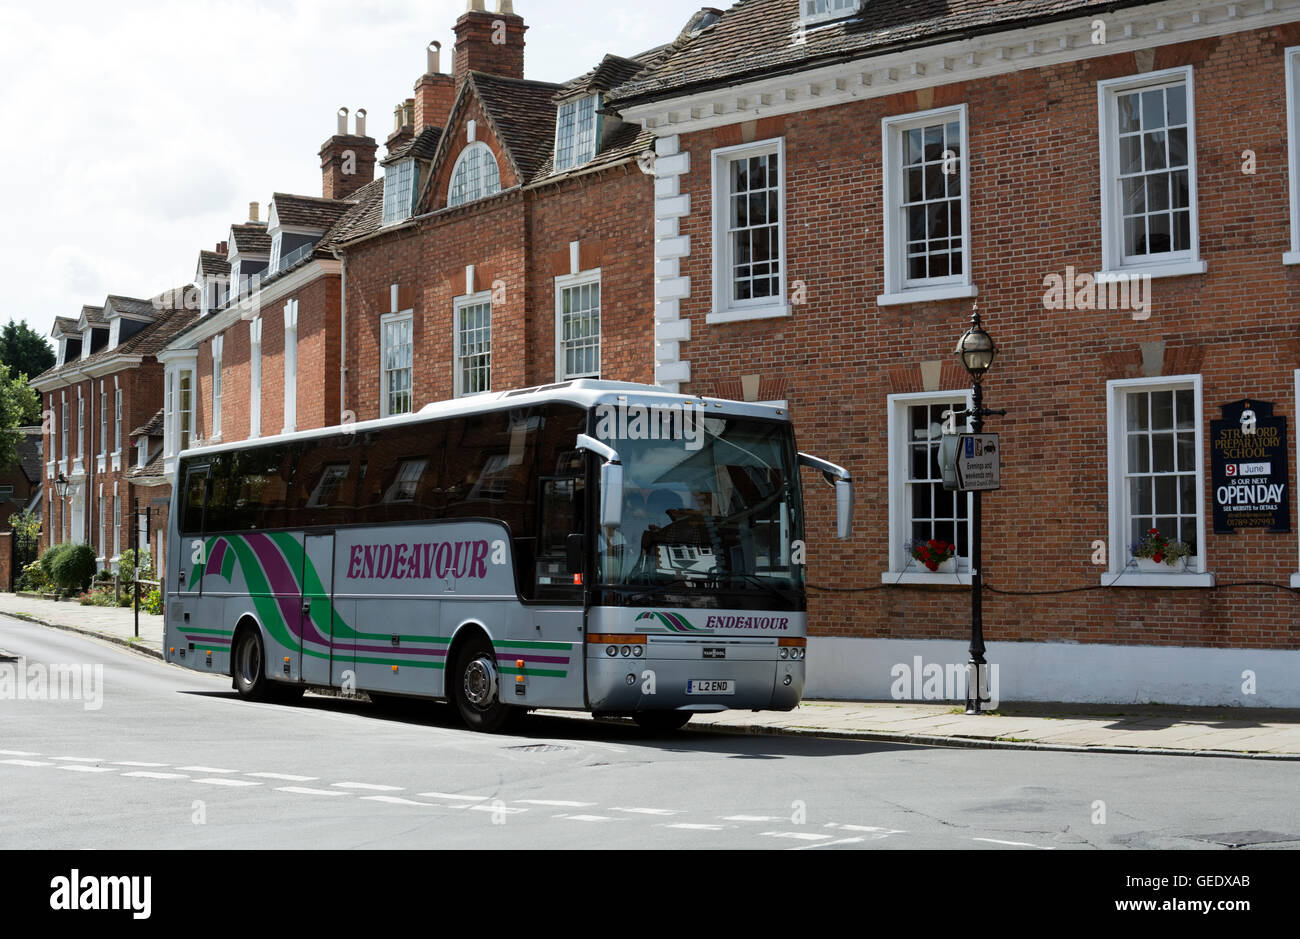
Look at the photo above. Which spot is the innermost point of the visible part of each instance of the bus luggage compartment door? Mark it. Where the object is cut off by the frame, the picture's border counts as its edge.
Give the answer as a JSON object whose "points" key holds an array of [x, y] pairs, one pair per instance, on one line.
{"points": [[317, 608]]}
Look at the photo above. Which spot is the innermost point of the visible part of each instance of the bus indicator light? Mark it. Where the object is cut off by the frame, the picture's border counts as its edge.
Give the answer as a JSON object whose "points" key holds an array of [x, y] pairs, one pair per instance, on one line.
{"points": [[519, 663], [394, 669], [577, 580]]}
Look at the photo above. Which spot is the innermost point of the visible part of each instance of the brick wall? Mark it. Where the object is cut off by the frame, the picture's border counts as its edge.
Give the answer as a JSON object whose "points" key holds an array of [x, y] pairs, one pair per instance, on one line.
{"points": [[1034, 206]]}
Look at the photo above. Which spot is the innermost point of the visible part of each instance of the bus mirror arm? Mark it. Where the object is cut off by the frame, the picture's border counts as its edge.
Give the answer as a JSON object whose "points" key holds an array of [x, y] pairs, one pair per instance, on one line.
{"points": [[611, 481], [840, 478]]}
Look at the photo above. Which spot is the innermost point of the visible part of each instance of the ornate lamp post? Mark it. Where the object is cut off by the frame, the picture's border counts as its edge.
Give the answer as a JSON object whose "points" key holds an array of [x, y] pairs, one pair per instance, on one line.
{"points": [[976, 351]]}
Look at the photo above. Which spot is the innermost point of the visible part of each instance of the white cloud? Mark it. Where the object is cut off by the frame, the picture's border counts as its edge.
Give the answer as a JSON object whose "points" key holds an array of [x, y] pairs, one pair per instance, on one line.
{"points": [[149, 126]]}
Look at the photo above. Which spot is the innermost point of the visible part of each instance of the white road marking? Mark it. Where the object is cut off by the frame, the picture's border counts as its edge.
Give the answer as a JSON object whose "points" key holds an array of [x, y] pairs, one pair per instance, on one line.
{"points": [[1015, 844], [205, 769], [370, 786], [287, 777], [502, 809], [220, 781], [26, 763], [558, 803], [586, 818], [77, 759], [81, 768], [398, 800], [827, 844], [17, 753], [144, 775], [800, 835], [141, 765], [751, 818], [693, 827], [647, 811], [887, 831], [451, 795], [304, 790]]}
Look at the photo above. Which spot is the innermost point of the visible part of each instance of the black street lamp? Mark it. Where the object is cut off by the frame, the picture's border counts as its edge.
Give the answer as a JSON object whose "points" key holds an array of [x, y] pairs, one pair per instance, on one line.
{"points": [[976, 351], [61, 486]]}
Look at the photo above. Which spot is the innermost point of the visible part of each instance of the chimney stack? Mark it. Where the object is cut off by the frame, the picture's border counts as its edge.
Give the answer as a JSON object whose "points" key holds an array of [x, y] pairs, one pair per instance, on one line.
{"points": [[347, 161], [221, 249], [435, 92], [489, 42], [403, 125]]}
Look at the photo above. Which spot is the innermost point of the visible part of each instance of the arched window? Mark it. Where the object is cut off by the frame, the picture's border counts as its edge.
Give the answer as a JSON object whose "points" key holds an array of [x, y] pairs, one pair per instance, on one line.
{"points": [[475, 175]]}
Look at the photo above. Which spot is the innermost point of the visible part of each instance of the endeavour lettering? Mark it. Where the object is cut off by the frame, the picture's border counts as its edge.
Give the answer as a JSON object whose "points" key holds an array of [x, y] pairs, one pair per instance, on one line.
{"points": [[422, 560], [747, 622]]}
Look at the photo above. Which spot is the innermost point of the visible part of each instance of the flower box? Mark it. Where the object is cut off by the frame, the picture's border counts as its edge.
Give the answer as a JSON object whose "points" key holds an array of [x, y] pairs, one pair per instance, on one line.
{"points": [[1148, 566]]}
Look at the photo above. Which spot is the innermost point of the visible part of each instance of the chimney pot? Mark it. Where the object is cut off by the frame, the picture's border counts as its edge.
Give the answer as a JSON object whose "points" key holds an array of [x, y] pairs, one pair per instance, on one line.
{"points": [[475, 6], [252, 212], [361, 122], [433, 55], [343, 121], [506, 7]]}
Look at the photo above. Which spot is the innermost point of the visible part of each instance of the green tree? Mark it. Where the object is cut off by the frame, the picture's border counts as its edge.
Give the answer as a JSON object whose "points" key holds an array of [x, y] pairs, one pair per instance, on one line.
{"points": [[24, 350], [19, 406]]}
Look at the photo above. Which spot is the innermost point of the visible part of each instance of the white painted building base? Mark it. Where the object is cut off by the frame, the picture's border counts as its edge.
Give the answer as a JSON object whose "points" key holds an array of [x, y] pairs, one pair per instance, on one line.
{"points": [[1095, 673]]}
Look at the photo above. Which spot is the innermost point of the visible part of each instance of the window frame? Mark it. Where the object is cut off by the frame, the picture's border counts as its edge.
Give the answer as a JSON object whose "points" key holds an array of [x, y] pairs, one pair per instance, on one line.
{"points": [[897, 287], [853, 8], [571, 282], [1292, 58], [1119, 573], [900, 511], [217, 343], [580, 157], [117, 420], [385, 321], [725, 309], [472, 147], [1114, 263], [404, 181], [103, 420], [459, 304]]}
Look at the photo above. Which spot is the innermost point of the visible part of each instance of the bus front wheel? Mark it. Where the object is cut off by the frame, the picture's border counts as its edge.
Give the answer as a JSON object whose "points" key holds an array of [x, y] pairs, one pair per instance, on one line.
{"points": [[476, 688], [249, 667]]}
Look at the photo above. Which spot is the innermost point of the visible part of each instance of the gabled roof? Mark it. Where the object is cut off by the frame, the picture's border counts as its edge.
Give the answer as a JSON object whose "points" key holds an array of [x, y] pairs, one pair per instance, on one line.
{"points": [[66, 325], [423, 146], [150, 340], [131, 306], [150, 428], [92, 316], [309, 212], [212, 264], [755, 37], [522, 113], [613, 70], [250, 238], [360, 220]]}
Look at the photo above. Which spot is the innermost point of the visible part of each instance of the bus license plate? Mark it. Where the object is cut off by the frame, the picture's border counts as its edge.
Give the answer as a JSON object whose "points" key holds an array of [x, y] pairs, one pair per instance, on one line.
{"points": [[711, 686]]}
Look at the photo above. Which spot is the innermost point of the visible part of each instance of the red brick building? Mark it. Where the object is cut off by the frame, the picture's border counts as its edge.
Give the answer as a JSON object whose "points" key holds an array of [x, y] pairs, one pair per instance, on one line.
{"points": [[107, 381], [839, 181]]}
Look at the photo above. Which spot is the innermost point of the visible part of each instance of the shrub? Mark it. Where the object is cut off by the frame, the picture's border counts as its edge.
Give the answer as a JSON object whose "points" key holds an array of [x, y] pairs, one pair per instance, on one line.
{"points": [[34, 579], [152, 602], [97, 598], [74, 567], [126, 569], [47, 559]]}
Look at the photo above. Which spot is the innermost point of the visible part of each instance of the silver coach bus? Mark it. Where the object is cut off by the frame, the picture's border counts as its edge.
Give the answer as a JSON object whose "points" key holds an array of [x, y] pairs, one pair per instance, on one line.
{"points": [[588, 545]]}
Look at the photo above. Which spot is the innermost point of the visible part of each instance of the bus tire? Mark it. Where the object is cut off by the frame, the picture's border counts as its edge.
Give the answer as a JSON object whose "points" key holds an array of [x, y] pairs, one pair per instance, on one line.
{"points": [[248, 666], [476, 688], [661, 722]]}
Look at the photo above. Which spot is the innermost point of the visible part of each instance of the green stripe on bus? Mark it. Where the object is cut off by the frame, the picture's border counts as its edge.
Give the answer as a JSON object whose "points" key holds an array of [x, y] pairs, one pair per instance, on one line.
{"points": [[539, 672], [407, 662]]}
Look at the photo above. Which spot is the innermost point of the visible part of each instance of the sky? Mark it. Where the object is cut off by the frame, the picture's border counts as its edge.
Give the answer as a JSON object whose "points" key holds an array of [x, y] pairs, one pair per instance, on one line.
{"points": [[137, 132]]}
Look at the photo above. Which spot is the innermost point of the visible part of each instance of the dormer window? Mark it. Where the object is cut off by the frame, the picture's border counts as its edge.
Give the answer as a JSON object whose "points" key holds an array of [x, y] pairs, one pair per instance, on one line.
{"points": [[821, 11], [576, 126], [399, 191], [475, 175], [275, 254]]}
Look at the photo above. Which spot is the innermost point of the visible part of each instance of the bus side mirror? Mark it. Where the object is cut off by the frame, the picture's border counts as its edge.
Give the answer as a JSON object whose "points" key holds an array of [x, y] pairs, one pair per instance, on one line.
{"points": [[843, 509], [611, 495], [573, 552]]}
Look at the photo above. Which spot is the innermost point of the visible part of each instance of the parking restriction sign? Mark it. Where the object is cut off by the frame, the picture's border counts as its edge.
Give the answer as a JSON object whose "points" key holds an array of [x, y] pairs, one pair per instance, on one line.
{"points": [[979, 463]]}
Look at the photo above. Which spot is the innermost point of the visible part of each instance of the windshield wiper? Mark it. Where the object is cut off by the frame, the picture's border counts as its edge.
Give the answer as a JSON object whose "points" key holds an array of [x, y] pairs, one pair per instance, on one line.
{"points": [[751, 578]]}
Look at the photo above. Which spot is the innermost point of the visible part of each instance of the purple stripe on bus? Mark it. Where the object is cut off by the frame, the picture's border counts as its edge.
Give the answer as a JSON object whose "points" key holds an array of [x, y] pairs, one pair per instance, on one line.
{"points": [[214, 559], [556, 659], [399, 650], [207, 640], [281, 581]]}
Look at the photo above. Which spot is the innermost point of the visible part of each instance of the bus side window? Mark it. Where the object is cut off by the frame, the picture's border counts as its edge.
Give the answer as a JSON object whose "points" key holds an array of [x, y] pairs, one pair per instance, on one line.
{"points": [[196, 482]]}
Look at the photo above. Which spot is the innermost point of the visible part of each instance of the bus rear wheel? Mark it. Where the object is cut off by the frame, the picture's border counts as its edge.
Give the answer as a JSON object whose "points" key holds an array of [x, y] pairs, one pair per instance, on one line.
{"points": [[476, 688], [661, 722]]}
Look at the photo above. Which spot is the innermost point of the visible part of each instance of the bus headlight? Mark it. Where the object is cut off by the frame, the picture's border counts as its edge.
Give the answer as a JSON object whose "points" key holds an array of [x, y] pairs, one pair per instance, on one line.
{"points": [[784, 653], [637, 652], [611, 651], [626, 650]]}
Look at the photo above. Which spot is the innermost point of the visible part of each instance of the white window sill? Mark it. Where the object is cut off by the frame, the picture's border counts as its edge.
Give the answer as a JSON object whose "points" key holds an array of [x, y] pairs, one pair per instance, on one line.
{"points": [[1291, 257], [1167, 269], [927, 294], [1135, 578], [959, 579], [117, 462], [1295, 581], [749, 313], [215, 438]]}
